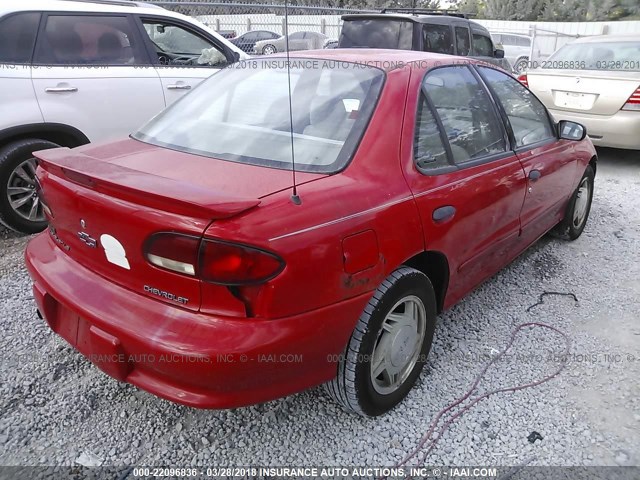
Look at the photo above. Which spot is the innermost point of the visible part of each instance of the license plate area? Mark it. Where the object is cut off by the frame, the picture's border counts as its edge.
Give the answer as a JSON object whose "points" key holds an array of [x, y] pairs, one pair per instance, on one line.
{"points": [[574, 100]]}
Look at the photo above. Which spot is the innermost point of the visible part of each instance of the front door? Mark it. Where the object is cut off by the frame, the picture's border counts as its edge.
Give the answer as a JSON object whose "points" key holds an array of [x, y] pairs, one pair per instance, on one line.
{"points": [[183, 56], [92, 72], [467, 183], [548, 162]]}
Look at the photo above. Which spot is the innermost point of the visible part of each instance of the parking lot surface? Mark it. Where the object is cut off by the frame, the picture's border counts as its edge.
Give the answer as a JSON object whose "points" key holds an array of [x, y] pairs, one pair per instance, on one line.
{"points": [[56, 408]]}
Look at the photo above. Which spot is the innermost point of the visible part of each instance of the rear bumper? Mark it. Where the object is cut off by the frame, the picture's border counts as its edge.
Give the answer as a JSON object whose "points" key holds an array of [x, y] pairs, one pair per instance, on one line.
{"points": [[186, 357], [621, 130]]}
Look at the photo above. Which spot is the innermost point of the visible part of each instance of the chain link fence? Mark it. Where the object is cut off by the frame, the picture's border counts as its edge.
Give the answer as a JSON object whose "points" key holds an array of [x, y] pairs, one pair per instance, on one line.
{"points": [[525, 43], [264, 20]]}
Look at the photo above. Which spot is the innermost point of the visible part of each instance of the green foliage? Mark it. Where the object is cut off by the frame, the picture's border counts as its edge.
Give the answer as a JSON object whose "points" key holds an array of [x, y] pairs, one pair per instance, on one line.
{"points": [[552, 10]]}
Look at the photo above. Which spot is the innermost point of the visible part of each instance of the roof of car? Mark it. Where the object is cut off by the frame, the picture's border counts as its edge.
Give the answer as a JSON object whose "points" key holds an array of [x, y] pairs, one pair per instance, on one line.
{"points": [[609, 38], [115, 6], [511, 33], [420, 18], [443, 19], [385, 59]]}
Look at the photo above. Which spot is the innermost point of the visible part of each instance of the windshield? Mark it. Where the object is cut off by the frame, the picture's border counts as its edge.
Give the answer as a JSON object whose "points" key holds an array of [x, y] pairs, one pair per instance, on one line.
{"points": [[376, 33], [241, 114], [613, 56]]}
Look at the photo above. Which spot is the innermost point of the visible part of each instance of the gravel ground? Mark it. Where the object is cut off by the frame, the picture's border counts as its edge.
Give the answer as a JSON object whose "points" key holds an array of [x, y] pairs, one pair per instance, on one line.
{"points": [[58, 409]]}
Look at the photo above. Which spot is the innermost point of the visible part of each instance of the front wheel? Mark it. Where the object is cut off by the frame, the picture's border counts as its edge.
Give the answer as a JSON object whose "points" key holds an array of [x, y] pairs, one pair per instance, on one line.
{"points": [[579, 207], [20, 207], [269, 50], [389, 345]]}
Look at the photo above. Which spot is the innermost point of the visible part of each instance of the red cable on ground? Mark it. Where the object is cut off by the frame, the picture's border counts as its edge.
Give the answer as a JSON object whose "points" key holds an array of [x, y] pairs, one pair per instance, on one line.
{"points": [[429, 436]]}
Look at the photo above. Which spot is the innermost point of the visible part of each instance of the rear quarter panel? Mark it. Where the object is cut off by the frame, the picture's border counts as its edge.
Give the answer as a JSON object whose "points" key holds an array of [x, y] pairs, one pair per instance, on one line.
{"points": [[371, 194]]}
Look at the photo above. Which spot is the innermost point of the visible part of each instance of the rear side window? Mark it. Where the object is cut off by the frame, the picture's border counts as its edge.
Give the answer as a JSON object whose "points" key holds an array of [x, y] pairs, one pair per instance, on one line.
{"points": [[462, 41], [88, 40], [527, 116], [377, 33], [467, 114], [428, 149], [17, 37], [482, 46], [437, 39]]}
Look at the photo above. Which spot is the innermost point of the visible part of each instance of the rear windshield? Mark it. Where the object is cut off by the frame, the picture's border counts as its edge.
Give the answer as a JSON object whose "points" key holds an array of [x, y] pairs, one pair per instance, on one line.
{"points": [[377, 33], [613, 56], [241, 114]]}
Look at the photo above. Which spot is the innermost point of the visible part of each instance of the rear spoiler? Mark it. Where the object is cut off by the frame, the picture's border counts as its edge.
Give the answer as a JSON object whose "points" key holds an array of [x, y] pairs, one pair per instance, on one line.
{"points": [[146, 189]]}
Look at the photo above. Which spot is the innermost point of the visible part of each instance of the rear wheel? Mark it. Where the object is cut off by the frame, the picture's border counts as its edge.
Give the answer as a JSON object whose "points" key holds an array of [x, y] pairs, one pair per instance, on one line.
{"points": [[521, 65], [389, 345], [269, 50], [579, 207], [20, 207]]}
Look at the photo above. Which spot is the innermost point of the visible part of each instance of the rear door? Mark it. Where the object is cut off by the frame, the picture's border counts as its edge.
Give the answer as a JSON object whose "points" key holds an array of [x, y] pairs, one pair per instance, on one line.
{"points": [[548, 162], [467, 183], [17, 37], [183, 55], [91, 72]]}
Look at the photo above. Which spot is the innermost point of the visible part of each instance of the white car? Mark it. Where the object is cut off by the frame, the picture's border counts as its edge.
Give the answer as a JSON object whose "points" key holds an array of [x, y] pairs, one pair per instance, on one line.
{"points": [[517, 49], [594, 81], [73, 72]]}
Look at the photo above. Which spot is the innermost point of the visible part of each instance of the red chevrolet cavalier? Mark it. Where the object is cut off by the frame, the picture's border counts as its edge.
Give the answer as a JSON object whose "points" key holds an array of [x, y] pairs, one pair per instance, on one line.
{"points": [[179, 260]]}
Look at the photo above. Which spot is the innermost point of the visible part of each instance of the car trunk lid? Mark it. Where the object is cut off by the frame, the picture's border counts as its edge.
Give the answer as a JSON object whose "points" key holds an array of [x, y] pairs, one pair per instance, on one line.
{"points": [[584, 91], [106, 201]]}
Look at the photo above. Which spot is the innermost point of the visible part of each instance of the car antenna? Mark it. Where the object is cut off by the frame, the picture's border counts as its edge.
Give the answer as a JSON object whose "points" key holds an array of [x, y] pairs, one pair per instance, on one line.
{"points": [[295, 198]]}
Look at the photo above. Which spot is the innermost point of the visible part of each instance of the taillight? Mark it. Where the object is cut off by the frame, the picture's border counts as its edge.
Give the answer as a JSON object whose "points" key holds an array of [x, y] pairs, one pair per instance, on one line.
{"points": [[215, 261], [523, 80], [633, 103], [172, 251]]}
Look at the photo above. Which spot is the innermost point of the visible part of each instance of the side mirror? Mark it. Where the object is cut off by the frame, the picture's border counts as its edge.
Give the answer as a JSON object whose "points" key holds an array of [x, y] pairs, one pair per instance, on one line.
{"points": [[571, 130], [498, 52]]}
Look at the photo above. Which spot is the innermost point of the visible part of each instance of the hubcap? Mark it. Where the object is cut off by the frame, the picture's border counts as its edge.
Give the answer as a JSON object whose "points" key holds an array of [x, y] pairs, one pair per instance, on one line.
{"points": [[21, 192], [398, 346], [582, 203], [269, 50]]}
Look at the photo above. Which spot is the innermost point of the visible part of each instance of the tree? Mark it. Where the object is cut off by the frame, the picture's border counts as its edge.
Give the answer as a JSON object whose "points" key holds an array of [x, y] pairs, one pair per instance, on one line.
{"points": [[514, 9]]}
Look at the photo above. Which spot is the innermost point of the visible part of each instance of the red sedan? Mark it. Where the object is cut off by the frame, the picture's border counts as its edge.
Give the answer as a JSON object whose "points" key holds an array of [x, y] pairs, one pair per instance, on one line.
{"points": [[181, 261]]}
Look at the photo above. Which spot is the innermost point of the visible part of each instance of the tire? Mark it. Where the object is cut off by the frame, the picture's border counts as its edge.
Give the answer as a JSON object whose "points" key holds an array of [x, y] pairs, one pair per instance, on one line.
{"points": [[16, 158], [269, 50], [356, 388], [521, 65], [578, 209]]}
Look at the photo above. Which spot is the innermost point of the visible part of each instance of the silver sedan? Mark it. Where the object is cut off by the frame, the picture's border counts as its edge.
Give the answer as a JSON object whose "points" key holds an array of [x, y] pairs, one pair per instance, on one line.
{"points": [[297, 41]]}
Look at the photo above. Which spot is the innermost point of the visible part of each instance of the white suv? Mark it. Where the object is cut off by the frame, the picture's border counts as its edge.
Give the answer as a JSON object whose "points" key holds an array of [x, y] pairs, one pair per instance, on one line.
{"points": [[73, 72]]}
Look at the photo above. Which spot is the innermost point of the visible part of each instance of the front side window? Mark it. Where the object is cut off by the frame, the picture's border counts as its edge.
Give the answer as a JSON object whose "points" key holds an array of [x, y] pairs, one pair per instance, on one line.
{"points": [[246, 105], [175, 45], [88, 40], [437, 39], [466, 112], [482, 46], [17, 36], [527, 116], [462, 41]]}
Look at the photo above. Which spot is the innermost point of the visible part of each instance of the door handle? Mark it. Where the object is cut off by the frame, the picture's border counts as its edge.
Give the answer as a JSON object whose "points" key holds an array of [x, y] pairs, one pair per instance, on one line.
{"points": [[443, 214], [534, 175], [60, 89], [176, 86]]}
